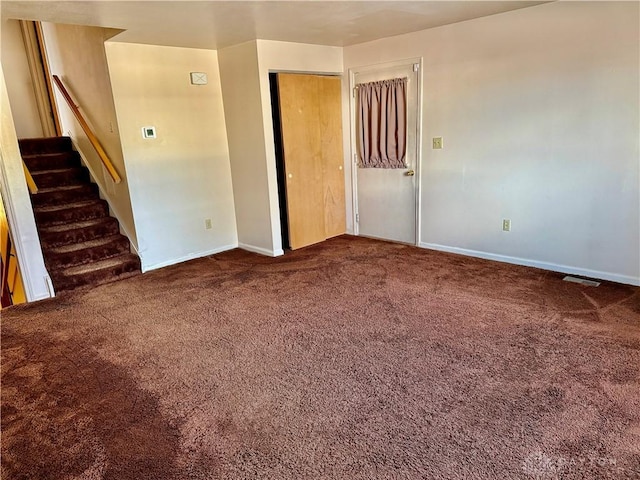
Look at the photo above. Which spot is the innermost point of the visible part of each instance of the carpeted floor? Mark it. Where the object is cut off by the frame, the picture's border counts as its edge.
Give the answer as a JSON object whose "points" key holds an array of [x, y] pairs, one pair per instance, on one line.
{"points": [[353, 359]]}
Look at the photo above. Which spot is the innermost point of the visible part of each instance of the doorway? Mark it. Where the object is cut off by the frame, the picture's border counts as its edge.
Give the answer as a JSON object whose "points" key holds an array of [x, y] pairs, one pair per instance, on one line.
{"points": [[386, 200], [277, 137]]}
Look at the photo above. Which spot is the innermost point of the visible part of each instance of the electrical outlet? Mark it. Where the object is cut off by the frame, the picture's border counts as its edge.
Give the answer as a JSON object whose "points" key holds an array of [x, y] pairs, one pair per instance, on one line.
{"points": [[437, 143], [207, 224], [506, 225]]}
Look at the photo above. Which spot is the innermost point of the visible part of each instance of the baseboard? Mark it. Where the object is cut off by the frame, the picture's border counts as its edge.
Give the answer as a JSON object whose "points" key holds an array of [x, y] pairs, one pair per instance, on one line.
{"points": [[35, 295], [38, 298], [260, 250], [613, 277], [186, 258]]}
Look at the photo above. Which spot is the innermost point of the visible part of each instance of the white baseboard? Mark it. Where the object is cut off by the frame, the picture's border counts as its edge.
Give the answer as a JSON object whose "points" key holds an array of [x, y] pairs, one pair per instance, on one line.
{"points": [[191, 256], [260, 250], [614, 277], [40, 296]]}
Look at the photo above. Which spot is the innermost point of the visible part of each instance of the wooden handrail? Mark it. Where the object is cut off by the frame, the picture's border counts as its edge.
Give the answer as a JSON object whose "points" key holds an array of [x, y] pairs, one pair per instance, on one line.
{"points": [[87, 130], [33, 188]]}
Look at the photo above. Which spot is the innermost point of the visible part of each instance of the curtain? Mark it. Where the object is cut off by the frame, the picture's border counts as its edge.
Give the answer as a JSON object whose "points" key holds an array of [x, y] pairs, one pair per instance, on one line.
{"points": [[382, 123]]}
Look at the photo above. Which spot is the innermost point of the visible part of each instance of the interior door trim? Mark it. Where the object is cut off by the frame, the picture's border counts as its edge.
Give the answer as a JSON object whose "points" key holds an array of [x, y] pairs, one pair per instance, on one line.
{"points": [[38, 61]]}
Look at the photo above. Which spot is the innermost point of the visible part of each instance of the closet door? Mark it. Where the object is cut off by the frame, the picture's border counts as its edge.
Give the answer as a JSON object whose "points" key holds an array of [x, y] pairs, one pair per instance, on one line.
{"points": [[332, 155], [302, 145]]}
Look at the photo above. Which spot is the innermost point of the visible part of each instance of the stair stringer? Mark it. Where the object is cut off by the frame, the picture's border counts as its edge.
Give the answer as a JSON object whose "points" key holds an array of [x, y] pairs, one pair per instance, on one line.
{"points": [[103, 192]]}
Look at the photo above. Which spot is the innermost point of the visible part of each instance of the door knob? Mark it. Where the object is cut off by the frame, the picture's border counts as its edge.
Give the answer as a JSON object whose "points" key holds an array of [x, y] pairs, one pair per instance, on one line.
{"points": [[410, 173]]}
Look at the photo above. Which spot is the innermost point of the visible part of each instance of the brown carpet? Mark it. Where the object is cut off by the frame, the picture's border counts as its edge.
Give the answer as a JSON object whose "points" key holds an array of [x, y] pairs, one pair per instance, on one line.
{"points": [[354, 359]]}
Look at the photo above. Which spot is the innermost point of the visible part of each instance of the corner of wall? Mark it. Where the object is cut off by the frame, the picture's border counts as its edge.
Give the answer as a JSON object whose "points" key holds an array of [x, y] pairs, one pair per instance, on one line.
{"points": [[74, 50], [18, 206]]}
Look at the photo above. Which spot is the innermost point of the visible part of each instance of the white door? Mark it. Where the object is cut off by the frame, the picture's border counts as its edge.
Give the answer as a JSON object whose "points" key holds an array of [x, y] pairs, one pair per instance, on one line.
{"points": [[386, 199]]}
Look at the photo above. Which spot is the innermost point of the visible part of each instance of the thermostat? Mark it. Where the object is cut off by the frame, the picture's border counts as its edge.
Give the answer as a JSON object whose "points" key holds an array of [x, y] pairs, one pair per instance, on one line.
{"points": [[198, 78], [149, 132]]}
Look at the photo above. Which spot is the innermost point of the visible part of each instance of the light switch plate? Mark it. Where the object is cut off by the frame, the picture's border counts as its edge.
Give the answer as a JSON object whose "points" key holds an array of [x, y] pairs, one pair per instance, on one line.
{"points": [[198, 78], [437, 143]]}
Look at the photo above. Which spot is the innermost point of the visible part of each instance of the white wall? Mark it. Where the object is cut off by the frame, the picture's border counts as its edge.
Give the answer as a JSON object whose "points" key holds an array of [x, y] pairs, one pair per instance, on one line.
{"points": [[77, 55], [539, 111], [243, 115], [17, 203], [18, 81], [183, 177], [245, 72]]}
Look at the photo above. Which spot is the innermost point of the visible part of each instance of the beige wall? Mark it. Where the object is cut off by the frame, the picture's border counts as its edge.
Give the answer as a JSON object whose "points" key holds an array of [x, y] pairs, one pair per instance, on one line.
{"points": [[539, 112], [247, 100], [77, 55], [18, 80], [243, 114], [182, 177]]}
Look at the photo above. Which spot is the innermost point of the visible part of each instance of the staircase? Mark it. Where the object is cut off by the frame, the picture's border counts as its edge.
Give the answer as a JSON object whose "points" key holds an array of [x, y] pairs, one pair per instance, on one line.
{"points": [[81, 243]]}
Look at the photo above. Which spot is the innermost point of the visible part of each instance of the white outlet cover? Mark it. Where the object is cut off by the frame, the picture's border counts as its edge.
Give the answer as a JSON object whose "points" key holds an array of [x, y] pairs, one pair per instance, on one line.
{"points": [[149, 132], [198, 78]]}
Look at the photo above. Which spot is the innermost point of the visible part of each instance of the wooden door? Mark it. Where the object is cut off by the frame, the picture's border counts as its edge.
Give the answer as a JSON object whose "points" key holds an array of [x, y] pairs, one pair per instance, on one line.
{"points": [[332, 155], [299, 115], [311, 125]]}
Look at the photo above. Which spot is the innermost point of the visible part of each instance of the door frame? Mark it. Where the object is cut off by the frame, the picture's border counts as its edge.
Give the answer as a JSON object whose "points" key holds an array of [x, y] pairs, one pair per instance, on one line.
{"points": [[354, 145]]}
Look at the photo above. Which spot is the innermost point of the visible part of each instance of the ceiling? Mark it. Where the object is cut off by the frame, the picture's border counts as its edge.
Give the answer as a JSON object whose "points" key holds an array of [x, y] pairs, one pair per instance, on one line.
{"points": [[218, 24]]}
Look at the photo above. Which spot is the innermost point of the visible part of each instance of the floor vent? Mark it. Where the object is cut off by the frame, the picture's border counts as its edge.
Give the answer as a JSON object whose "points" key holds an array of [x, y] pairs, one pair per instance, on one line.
{"points": [[583, 281]]}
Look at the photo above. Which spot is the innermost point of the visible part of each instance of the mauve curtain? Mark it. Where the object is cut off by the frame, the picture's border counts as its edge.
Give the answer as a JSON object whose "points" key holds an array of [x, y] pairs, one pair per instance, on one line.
{"points": [[382, 123]]}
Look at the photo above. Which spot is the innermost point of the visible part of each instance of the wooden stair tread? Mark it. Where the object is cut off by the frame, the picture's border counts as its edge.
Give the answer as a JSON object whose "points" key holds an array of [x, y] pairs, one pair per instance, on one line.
{"points": [[30, 156], [88, 244], [100, 265], [66, 206], [34, 146], [76, 225], [55, 170], [62, 188]]}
